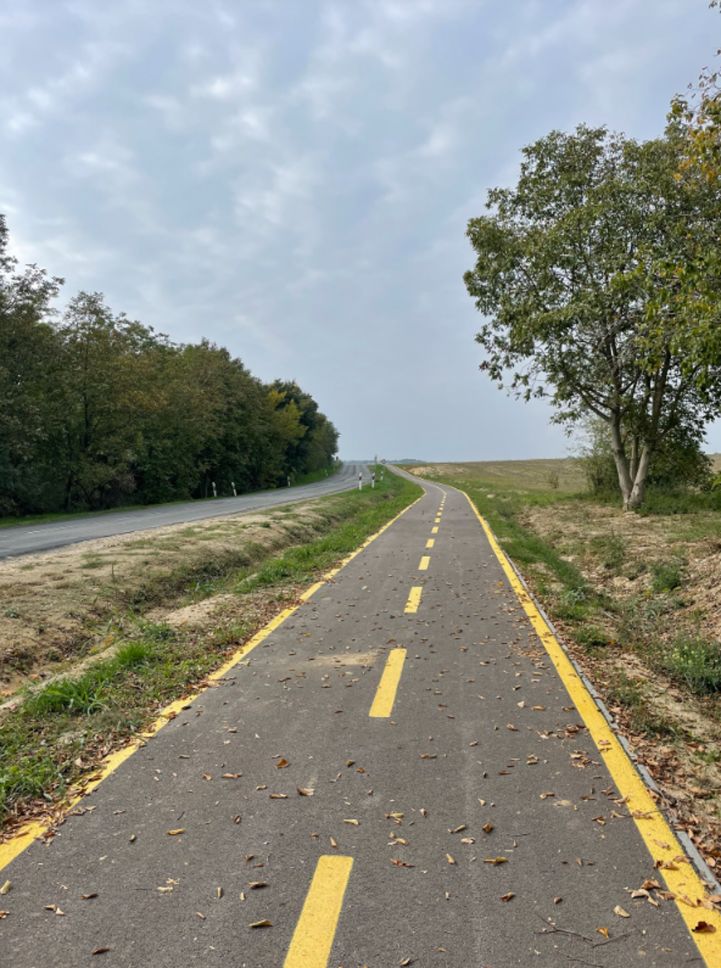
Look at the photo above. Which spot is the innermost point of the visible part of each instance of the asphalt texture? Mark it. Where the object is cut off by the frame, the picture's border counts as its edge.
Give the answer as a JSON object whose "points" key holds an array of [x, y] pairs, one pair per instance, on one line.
{"points": [[483, 757], [28, 539]]}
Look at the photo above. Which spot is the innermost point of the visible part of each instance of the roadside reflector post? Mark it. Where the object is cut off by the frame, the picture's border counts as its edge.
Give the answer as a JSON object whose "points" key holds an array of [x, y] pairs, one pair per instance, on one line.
{"points": [[215, 489], [232, 484]]}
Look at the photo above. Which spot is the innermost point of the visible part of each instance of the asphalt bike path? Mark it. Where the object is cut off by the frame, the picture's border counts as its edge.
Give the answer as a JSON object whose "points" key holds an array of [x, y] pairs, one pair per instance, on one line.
{"points": [[22, 539], [395, 775]]}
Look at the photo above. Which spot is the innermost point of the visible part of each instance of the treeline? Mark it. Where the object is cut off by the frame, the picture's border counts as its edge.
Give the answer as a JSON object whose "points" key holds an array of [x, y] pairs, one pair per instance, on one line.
{"points": [[97, 410]]}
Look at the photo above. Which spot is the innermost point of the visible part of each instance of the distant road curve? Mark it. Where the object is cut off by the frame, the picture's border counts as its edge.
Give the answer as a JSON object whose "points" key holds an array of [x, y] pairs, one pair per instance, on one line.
{"points": [[28, 539]]}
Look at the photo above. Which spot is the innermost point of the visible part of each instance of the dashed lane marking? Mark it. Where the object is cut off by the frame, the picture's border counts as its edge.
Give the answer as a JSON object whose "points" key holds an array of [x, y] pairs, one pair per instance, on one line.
{"points": [[388, 686], [424, 563], [314, 933], [414, 600], [430, 542]]}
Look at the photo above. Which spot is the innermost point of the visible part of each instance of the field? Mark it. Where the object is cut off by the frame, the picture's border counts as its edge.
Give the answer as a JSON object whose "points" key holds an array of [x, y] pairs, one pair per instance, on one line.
{"points": [[637, 599]]}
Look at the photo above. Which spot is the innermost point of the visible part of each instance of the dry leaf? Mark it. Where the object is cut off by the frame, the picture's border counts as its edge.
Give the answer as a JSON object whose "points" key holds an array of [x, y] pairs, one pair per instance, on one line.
{"points": [[450, 859], [507, 897], [175, 832], [487, 827], [3, 915], [458, 829], [219, 892], [278, 796], [495, 860], [305, 791], [620, 912], [397, 862], [231, 776], [353, 822], [265, 923], [257, 885], [100, 951], [200, 915], [282, 763], [5, 889], [88, 897], [603, 931], [333, 843], [703, 927]]}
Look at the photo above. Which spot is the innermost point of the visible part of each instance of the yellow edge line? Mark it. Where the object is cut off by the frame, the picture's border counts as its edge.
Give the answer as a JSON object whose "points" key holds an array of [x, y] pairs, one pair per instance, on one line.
{"points": [[388, 686], [414, 599], [20, 841], [314, 933], [659, 838]]}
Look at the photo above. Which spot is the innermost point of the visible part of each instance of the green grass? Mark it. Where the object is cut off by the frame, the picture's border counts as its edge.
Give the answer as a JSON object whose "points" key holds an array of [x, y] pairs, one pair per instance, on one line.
{"points": [[696, 663], [51, 739]]}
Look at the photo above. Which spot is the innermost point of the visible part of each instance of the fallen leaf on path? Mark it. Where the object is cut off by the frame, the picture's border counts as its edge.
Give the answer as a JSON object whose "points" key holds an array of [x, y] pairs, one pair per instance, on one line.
{"points": [[495, 860], [100, 951], [621, 912], [333, 843], [265, 923], [3, 915], [703, 927], [257, 885], [488, 827], [397, 862], [305, 791], [231, 776], [508, 897], [88, 897], [458, 829], [450, 859], [278, 796], [603, 931], [5, 889], [55, 909], [175, 832], [353, 822], [282, 763], [199, 914]]}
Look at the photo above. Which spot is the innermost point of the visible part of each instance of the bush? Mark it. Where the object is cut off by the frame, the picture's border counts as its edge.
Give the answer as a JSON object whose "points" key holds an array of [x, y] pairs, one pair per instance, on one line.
{"points": [[697, 663]]}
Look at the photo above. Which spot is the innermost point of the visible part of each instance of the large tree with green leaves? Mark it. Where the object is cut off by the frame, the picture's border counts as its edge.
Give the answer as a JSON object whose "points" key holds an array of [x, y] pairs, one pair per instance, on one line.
{"points": [[582, 275]]}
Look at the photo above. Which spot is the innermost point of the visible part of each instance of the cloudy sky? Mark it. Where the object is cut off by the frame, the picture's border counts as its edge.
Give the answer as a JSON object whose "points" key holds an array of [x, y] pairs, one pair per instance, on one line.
{"points": [[292, 178]]}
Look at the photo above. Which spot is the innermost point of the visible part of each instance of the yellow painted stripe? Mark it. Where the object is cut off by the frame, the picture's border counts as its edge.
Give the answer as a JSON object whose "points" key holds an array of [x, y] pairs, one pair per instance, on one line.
{"points": [[430, 542], [414, 599], [25, 835], [434, 530], [313, 937], [424, 563], [680, 876], [388, 686], [438, 519]]}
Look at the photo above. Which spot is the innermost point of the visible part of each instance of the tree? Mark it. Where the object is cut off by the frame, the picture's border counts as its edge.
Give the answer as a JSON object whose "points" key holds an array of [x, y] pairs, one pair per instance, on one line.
{"points": [[581, 273]]}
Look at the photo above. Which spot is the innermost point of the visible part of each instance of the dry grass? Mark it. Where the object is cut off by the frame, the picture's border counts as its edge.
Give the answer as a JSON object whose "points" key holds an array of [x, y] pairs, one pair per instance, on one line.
{"points": [[60, 606]]}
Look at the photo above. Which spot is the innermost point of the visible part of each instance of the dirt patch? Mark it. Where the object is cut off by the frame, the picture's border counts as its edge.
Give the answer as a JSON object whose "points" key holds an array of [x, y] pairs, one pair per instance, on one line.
{"points": [[60, 606]]}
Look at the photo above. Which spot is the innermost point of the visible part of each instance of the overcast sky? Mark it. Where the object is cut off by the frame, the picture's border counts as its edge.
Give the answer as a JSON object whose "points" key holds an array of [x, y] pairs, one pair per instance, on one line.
{"points": [[292, 178]]}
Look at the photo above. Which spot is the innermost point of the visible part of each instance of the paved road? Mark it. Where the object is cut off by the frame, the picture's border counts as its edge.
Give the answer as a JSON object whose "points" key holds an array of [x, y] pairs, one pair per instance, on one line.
{"points": [[27, 539], [424, 767]]}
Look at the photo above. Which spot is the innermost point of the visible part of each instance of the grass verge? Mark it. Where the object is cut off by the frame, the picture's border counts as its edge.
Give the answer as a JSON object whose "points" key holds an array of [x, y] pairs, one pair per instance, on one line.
{"points": [[61, 730]]}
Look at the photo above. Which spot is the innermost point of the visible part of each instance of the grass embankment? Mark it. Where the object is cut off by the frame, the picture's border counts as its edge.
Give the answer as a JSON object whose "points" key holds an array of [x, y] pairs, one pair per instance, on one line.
{"points": [[219, 598], [638, 599]]}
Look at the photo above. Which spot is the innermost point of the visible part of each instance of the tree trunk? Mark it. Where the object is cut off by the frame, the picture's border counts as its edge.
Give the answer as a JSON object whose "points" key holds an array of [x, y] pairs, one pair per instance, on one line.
{"points": [[619, 455], [638, 490]]}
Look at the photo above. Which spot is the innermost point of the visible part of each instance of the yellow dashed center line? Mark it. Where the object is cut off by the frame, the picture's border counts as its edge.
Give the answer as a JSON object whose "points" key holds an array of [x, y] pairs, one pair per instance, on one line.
{"points": [[414, 599], [434, 530], [430, 542], [313, 936], [388, 686], [424, 563]]}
